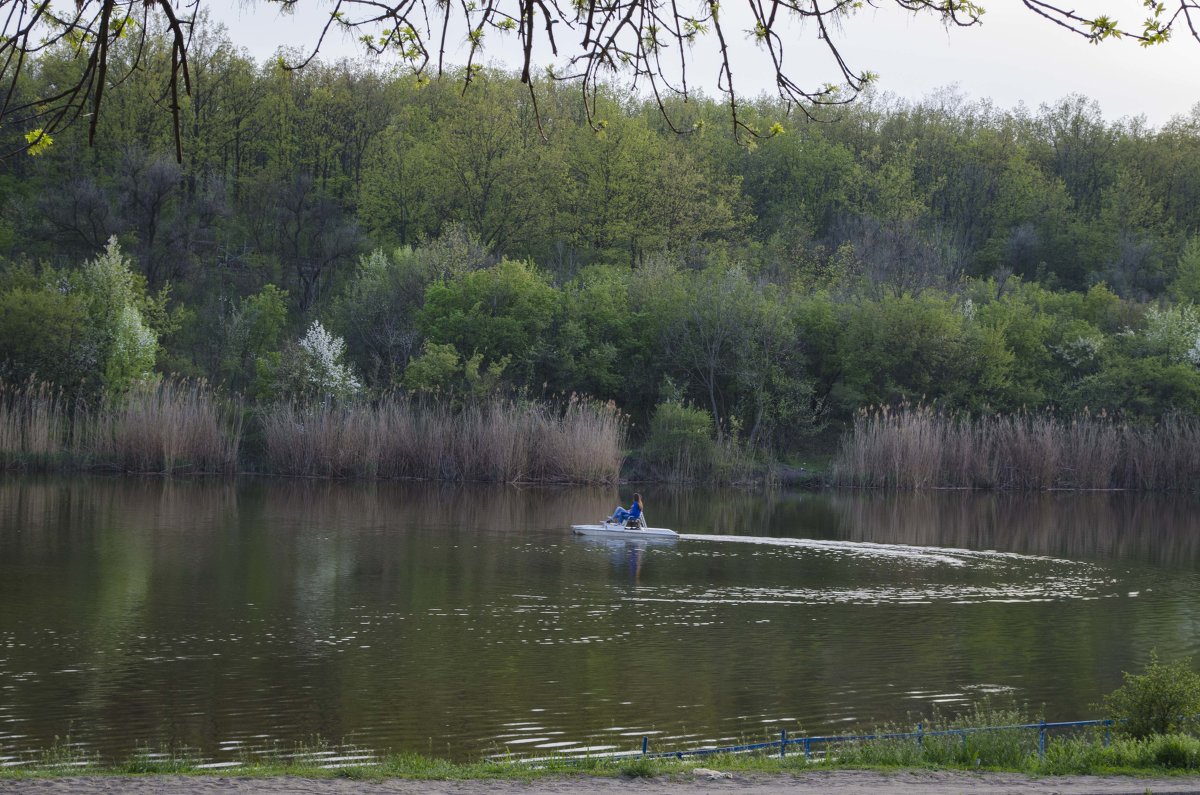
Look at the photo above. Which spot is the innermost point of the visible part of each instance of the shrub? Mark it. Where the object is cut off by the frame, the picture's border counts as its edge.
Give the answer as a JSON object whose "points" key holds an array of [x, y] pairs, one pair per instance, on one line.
{"points": [[1163, 700], [680, 445], [1175, 750]]}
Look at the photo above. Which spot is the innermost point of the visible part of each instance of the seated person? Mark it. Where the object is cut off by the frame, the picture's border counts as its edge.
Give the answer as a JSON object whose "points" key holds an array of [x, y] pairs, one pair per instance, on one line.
{"points": [[634, 512]]}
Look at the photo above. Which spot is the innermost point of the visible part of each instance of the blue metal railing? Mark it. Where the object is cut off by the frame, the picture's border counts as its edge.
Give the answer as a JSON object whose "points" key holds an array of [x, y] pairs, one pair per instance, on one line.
{"points": [[920, 735]]}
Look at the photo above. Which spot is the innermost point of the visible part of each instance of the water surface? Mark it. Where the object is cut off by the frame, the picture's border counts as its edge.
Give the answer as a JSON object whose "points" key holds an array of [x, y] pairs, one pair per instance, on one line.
{"points": [[222, 616]]}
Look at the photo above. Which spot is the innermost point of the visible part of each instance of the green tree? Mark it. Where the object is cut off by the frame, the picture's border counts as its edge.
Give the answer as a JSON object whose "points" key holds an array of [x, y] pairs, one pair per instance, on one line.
{"points": [[83, 329], [595, 334], [397, 185], [252, 335], [440, 370], [376, 311], [903, 347], [1186, 284], [500, 311], [492, 172], [45, 335]]}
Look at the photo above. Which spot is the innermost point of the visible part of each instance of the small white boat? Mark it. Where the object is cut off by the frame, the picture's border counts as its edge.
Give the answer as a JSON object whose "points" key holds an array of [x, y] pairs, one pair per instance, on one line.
{"points": [[631, 529]]}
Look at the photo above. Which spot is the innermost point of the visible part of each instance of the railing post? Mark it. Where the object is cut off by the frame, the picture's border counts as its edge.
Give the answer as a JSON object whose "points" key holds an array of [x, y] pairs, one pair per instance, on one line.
{"points": [[807, 748], [782, 743], [645, 744], [1042, 740], [921, 733]]}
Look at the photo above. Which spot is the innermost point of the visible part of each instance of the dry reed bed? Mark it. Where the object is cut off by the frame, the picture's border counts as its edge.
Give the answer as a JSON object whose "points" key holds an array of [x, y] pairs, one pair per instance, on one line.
{"points": [[500, 442], [165, 427], [177, 427], [34, 425], [913, 448]]}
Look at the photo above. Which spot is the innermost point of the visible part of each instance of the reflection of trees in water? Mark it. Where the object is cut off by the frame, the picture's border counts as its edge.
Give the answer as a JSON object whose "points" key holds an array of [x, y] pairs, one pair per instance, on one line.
{"points": [[75, 521], [153, 568], [739, 512], [380, 505], [292, 540], [61, 516], [1158, 528], [112, 544]]}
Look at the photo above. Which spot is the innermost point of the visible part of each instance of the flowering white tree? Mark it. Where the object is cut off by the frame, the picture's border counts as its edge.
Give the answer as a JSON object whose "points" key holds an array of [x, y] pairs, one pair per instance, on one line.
{"points": [[313, 367], [1174, 332], [328, 374]]}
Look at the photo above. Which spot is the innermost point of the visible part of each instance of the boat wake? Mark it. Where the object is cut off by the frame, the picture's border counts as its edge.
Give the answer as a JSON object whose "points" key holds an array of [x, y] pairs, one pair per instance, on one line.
{"points": [[949, 556]]}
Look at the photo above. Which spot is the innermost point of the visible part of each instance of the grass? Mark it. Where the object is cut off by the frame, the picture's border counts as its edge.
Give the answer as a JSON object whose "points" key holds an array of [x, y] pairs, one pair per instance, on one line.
{"points": [[1076, 756], [916, 447], [500, 441], [167, 427], [1084, 752], [177, 427]]}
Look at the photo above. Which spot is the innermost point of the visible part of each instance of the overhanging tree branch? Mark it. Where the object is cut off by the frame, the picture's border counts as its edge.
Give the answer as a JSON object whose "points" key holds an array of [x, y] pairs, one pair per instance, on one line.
{"points": [[614, 38]]}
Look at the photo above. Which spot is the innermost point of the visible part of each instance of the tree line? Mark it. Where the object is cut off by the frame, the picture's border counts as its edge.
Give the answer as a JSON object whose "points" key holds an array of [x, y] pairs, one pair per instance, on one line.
{"points": [[347, 231]]}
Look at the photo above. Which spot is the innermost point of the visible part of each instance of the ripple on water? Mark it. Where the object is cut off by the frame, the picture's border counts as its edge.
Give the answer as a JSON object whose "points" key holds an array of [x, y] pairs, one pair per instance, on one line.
{"points": [[1026, 578]]}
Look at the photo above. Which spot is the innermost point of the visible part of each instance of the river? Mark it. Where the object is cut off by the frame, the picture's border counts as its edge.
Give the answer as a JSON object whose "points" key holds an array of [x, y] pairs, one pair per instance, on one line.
{"points": [[227, 616]]}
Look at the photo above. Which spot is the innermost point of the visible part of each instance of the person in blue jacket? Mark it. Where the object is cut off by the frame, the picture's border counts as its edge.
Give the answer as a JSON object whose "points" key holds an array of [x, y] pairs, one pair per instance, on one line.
{"points": [[634, 512]]}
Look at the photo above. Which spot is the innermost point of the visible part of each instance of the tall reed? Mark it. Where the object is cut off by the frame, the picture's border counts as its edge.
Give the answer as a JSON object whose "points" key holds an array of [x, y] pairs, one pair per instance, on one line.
{"points": [[34, 423], [916, 447], [500, 441], [168, 426]]}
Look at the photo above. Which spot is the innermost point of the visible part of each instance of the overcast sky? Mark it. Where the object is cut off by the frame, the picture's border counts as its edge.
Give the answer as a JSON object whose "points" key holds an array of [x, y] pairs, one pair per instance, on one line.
{"points": [[1013, 57]]}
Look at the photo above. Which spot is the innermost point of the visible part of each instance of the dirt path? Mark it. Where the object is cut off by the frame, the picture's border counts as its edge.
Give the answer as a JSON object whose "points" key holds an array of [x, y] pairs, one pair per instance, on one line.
{"points": [[843, 782]]}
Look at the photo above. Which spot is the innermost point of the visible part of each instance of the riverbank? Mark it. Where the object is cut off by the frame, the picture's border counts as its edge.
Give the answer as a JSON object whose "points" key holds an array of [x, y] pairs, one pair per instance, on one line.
{"points": [[842, 782]]}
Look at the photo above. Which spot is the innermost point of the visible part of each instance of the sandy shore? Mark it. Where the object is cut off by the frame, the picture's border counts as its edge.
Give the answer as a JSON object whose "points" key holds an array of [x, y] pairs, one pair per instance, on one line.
{"points": [[843, 782]]}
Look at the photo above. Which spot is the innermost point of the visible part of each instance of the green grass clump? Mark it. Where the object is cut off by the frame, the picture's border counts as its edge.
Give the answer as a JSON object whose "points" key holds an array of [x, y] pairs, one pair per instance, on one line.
{"points": [[998, 749], [983, 738], [640, 767], [165, 761]]}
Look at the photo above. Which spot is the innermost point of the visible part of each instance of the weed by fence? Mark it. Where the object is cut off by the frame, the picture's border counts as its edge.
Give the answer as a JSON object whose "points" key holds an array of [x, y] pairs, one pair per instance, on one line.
{"points": [[919, 740]]}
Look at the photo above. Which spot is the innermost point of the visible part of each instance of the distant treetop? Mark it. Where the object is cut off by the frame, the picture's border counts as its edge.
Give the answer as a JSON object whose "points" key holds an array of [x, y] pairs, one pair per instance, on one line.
{"points": [[649, 42]]}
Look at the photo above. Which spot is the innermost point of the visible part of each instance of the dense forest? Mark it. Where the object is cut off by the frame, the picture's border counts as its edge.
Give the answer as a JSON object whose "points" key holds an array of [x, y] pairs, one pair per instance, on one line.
{"points": [[346, 232]]}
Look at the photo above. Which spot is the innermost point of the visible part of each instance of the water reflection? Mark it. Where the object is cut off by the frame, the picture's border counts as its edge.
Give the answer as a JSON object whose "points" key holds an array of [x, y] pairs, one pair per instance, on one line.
{"points": [[463, 621], [626, 556], [1162, 529]]}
